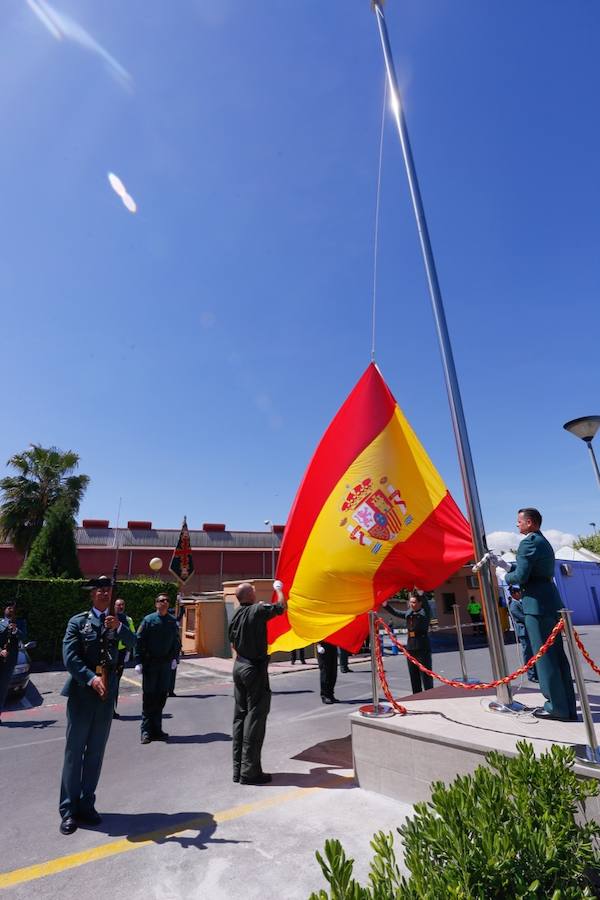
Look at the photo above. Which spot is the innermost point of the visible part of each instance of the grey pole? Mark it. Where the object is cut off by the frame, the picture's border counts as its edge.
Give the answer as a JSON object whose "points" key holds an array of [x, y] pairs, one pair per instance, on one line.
{"points": [[589, 753], [495, 639], [594, 461], [461, 644], [376, 709]]}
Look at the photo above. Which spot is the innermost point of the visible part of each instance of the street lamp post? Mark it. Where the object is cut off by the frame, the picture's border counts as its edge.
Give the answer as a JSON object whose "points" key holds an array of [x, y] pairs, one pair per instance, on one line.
{"points": [[586, 428], [268, 522]]}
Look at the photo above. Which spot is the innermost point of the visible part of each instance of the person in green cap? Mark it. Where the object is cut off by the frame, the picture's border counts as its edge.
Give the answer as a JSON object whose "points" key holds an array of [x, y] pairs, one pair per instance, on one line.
{"points": [[90, 658]]}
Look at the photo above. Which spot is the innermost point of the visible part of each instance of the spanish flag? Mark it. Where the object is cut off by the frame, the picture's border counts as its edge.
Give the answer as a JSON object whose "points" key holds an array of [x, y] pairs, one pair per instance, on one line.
{"points": [[371, 516]]}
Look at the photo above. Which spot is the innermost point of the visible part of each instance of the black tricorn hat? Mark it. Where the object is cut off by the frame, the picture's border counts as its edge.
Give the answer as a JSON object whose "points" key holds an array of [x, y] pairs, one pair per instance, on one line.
{"points": [[103, 581]]}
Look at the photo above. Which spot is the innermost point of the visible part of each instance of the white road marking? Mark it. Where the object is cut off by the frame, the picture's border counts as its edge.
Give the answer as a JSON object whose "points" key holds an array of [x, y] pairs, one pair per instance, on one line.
{"points": [[33, 743]]}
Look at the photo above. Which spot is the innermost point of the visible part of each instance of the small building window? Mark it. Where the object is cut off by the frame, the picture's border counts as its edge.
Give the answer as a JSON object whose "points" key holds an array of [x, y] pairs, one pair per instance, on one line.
{"points": [[472, 582], [190, 621], [448, 600]]}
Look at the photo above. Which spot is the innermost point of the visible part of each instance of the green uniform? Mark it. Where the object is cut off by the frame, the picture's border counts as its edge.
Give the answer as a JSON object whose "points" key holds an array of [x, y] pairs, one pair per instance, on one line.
{"points": [[158, 644], [534, 571], [251, 689], [88, 716]]}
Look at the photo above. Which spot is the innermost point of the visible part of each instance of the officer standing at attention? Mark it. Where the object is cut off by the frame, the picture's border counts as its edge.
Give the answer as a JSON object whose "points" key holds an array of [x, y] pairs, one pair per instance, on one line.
{"points": [[156, 654], [534, 571], [252, 693], [418, 643], [90, 640], [9, 649]]}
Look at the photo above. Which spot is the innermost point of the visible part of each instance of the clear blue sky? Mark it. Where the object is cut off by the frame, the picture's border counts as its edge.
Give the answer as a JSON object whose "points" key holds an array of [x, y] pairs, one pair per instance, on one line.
{"points": [[193, 353]]}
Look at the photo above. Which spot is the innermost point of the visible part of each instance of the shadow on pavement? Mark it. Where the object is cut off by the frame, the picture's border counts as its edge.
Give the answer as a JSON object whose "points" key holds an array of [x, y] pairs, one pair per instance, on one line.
{"points": [[163, 828], [185, 696], [322, 776], [293, 692], [210, 738], [336, 752], [42, 723]]}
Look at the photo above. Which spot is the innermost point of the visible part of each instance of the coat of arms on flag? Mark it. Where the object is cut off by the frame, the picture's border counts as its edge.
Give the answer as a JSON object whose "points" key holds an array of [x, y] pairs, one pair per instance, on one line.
{"points": [[371, 516], [182, 562]]}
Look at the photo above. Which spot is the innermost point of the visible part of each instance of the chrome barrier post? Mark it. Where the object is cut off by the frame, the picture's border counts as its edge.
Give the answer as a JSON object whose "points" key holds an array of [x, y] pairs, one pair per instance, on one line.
{"points": [[461, 648], [587, 753], [461, 644], [374, 710]]}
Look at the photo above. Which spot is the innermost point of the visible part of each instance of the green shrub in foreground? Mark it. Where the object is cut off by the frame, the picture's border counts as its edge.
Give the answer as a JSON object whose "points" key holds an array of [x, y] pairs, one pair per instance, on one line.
{"points": [[507, 831]]}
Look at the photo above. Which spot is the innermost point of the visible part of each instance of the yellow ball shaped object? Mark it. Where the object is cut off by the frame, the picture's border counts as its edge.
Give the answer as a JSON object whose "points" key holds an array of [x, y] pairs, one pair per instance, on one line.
{"points": [[156, 564]]}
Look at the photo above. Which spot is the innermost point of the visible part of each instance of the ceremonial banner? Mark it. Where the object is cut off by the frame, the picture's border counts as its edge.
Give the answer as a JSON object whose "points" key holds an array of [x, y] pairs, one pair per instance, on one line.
{"points": [[182, 563], [372, 515]]}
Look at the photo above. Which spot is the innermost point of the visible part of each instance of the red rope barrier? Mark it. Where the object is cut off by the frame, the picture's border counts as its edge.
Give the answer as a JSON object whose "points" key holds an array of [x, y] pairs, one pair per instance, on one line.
{"points": [[467, 687], [586, 655]]}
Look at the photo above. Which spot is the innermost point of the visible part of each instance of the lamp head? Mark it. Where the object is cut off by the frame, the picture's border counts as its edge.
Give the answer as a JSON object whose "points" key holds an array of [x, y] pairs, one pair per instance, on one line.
{"points": [[584, 427]]}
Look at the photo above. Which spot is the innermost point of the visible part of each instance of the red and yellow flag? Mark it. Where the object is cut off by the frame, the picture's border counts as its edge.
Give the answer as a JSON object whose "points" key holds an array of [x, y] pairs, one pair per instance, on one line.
{"points": [[371, 516]]}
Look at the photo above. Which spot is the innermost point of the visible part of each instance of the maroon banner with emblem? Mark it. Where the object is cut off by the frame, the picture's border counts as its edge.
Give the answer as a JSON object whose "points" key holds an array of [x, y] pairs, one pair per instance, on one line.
{"points": [[182, 563]]}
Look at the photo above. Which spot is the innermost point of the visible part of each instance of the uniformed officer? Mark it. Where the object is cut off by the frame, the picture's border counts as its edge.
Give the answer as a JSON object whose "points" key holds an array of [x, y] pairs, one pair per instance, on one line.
{"points": [[123, 652], [90, 640], [157, 651], [534, 571], [515, 609], [252, 693], [418, 643], [10, 636], [327, 657]]}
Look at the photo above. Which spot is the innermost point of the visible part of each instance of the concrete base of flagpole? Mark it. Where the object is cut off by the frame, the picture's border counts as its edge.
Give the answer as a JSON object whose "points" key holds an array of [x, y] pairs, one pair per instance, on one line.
{"points": [[448, 732]]}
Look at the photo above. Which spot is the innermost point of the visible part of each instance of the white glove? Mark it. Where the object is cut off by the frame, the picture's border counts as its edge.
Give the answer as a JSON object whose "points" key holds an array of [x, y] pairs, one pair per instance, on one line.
{"points": [[138, 668], [320, 648], [278, 585], [173, 664]]}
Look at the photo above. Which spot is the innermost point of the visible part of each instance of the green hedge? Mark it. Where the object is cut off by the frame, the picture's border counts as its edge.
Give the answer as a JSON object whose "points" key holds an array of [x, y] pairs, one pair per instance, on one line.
{"points": [[48, 604]]}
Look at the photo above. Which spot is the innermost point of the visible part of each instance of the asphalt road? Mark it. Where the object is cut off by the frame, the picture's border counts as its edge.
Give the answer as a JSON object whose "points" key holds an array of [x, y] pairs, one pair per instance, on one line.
{"points": [[174, 825]]}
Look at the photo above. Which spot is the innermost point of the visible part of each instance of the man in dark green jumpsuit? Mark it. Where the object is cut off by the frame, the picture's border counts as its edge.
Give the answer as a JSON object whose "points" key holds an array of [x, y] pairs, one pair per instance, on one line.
{"points": [[10, 636], [157, 651], [534, 571], [252, 693], [90, 637]]}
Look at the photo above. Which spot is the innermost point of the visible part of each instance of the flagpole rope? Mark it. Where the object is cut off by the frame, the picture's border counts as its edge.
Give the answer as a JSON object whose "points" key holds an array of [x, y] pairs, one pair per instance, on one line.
{"points": [[377, 204]]}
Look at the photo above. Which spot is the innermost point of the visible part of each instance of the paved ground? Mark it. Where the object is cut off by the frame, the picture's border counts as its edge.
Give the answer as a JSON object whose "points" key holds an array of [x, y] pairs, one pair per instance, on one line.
{"points": [[175, 826]]}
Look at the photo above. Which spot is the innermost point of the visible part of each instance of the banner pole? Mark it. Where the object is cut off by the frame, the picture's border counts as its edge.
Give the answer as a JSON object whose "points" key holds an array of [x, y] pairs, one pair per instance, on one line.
{"points": [[503, 701]]}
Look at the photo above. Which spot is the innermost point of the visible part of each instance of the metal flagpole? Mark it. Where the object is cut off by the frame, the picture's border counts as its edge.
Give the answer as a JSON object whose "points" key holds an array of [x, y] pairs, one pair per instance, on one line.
{"points": [[504, 700]]}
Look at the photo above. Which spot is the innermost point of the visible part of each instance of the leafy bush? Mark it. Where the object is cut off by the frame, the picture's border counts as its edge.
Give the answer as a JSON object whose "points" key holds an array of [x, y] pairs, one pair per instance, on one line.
{"points": [[48, 604], [507, 831]]}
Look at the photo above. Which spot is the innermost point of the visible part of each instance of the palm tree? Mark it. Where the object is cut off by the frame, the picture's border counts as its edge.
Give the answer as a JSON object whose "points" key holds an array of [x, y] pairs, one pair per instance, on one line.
{"points": [[44, 476]]}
